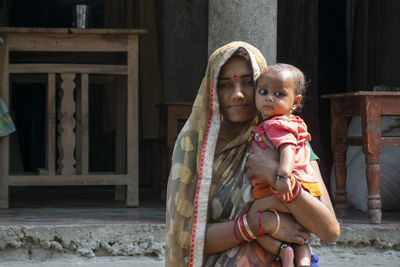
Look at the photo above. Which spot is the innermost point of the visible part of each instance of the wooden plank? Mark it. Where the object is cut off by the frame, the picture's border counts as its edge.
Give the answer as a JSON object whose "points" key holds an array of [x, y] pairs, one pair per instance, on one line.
{"points": [[120, 134], [70, 30], [68, 42], [51, 124], [47, 180], [121, 125], [67, 139], [43, 78], [390, 105], [68, 68], [84, 107], [78, 129], [4, 141], [361, 93], [132, 196]]}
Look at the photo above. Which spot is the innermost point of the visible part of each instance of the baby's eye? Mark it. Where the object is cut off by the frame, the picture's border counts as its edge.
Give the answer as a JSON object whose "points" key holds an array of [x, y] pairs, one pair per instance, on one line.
{"points": [[263, 92], [279, 94]]}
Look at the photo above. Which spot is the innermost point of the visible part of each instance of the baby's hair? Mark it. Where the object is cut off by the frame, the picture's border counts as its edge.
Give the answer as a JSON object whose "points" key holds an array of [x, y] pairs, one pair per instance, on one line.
{"points": [[298, 77]]}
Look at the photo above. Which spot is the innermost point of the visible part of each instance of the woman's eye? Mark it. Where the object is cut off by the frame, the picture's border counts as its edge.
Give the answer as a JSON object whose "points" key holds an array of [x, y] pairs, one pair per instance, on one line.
{"points": [[263, 92], [223, 85], [249, 83]]}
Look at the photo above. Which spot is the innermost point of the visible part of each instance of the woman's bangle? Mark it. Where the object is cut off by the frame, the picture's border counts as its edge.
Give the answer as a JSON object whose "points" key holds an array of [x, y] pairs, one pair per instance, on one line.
{"points": [[242, 230], [248, 230], [278, 222], [235, 233], [259, 223]]}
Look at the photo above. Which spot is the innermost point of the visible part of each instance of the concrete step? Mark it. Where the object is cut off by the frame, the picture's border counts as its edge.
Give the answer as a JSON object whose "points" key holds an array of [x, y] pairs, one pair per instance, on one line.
{"points": [[143, 245], [136, 237]]}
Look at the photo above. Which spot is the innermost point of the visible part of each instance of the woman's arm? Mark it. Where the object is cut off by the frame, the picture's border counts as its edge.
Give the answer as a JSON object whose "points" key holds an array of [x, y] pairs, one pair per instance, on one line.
{"points": [[316, 216], [220, 236]]}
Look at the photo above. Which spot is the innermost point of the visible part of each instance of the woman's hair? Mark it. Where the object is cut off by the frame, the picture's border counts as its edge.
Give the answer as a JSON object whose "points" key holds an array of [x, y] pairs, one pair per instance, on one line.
{"points": [[241, 52]]}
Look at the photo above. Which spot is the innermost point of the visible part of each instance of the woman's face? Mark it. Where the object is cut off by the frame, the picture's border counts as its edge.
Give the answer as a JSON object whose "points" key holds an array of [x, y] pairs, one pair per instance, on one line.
{"points": [[236, 90]]}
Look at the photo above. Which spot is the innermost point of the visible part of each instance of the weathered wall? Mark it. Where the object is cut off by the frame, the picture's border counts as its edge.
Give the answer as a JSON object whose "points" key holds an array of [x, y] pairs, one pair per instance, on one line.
{"points": [[184, 48], [390, 38], [252, 21]]}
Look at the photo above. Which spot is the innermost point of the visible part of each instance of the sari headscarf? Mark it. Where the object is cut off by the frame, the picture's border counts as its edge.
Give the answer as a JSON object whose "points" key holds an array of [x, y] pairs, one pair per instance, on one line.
{"points": [[192, 172]]}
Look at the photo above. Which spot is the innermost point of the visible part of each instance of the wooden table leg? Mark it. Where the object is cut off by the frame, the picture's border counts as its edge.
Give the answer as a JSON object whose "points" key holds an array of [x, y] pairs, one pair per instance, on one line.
{"points": [[339, 148], [371, 132]]}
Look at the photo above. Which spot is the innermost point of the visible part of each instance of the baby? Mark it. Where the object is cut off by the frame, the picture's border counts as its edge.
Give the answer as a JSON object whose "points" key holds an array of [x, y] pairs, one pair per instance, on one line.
{"points": [[278, 93]]}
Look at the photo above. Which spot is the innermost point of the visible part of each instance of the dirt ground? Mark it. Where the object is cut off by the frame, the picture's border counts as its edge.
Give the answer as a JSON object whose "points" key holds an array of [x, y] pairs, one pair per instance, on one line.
{"points": [[357, 256], [329, 257]]}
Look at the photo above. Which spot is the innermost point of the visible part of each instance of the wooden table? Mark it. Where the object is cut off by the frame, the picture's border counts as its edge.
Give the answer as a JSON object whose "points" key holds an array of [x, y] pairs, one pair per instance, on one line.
{"points": [[70, 166], [370, 106]]}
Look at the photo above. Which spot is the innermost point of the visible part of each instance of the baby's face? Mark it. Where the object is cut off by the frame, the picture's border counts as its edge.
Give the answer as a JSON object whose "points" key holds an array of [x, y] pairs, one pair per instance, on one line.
{"points": [[275, 94]]}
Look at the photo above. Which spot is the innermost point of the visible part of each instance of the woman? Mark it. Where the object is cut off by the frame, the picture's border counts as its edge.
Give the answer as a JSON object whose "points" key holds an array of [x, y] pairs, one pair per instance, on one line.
{"points": [[208, 186]]}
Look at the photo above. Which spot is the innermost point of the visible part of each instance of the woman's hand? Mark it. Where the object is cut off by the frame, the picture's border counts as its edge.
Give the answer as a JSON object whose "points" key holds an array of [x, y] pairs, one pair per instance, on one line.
{"points": [[289, 230], [263, 163]]}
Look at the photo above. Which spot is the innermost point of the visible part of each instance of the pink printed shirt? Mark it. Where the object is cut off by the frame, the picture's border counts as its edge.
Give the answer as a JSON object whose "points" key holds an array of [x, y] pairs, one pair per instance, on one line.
{"points": [[288, 129]]}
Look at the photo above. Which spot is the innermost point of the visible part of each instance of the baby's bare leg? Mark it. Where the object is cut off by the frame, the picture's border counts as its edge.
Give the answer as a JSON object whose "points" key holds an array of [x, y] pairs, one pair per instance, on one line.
{"points": [[269, 243], [302, 255]]}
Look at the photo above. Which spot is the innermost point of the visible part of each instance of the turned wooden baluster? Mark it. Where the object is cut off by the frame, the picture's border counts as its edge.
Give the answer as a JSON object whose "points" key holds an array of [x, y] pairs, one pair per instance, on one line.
{"points": [[339, 148], [371, 133], [67, 139]]}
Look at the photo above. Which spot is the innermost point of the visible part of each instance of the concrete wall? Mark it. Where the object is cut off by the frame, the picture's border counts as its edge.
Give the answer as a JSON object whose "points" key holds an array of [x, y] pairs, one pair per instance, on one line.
{"points": [[253, 21], [184, 48]]}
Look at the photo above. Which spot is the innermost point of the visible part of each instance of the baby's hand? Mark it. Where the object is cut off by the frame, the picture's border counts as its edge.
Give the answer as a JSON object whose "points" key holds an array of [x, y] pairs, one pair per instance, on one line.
{"points": [[282, 186]]}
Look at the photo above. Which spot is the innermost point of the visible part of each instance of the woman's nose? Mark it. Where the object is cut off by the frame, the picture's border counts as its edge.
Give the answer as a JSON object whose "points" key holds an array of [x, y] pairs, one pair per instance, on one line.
{"points": [[238, 91]]}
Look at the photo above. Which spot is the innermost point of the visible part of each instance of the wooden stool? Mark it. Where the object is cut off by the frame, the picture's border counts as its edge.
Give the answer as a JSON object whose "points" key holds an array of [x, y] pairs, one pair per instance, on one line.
{"points": [[370, 106]]}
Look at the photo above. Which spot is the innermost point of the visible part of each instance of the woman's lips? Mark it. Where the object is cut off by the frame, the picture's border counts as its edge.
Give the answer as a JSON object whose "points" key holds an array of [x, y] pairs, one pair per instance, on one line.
{"points": [[238, 106]]}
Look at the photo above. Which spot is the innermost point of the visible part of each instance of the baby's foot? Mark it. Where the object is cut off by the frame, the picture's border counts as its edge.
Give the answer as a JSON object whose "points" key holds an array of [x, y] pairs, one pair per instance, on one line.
{"points": [[286, 255]]}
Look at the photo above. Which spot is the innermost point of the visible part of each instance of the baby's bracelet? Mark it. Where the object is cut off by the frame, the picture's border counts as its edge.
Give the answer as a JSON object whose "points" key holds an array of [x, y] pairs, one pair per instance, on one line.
{"points": [[277, 176]]}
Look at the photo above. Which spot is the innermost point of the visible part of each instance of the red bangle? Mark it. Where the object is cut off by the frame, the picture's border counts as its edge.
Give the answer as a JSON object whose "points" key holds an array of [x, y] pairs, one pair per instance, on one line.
{"points": [[259, 222], [296, 193], [235, 233], [243, 230]]}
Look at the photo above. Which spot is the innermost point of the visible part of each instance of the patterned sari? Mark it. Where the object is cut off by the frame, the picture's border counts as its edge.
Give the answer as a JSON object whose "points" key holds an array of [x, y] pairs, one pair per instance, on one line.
{"points": [[205, 187]]}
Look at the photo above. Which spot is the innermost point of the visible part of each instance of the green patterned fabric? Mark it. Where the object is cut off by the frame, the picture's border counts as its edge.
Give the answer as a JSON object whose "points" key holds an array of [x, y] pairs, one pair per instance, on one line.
{"points": [[6, 123]]}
